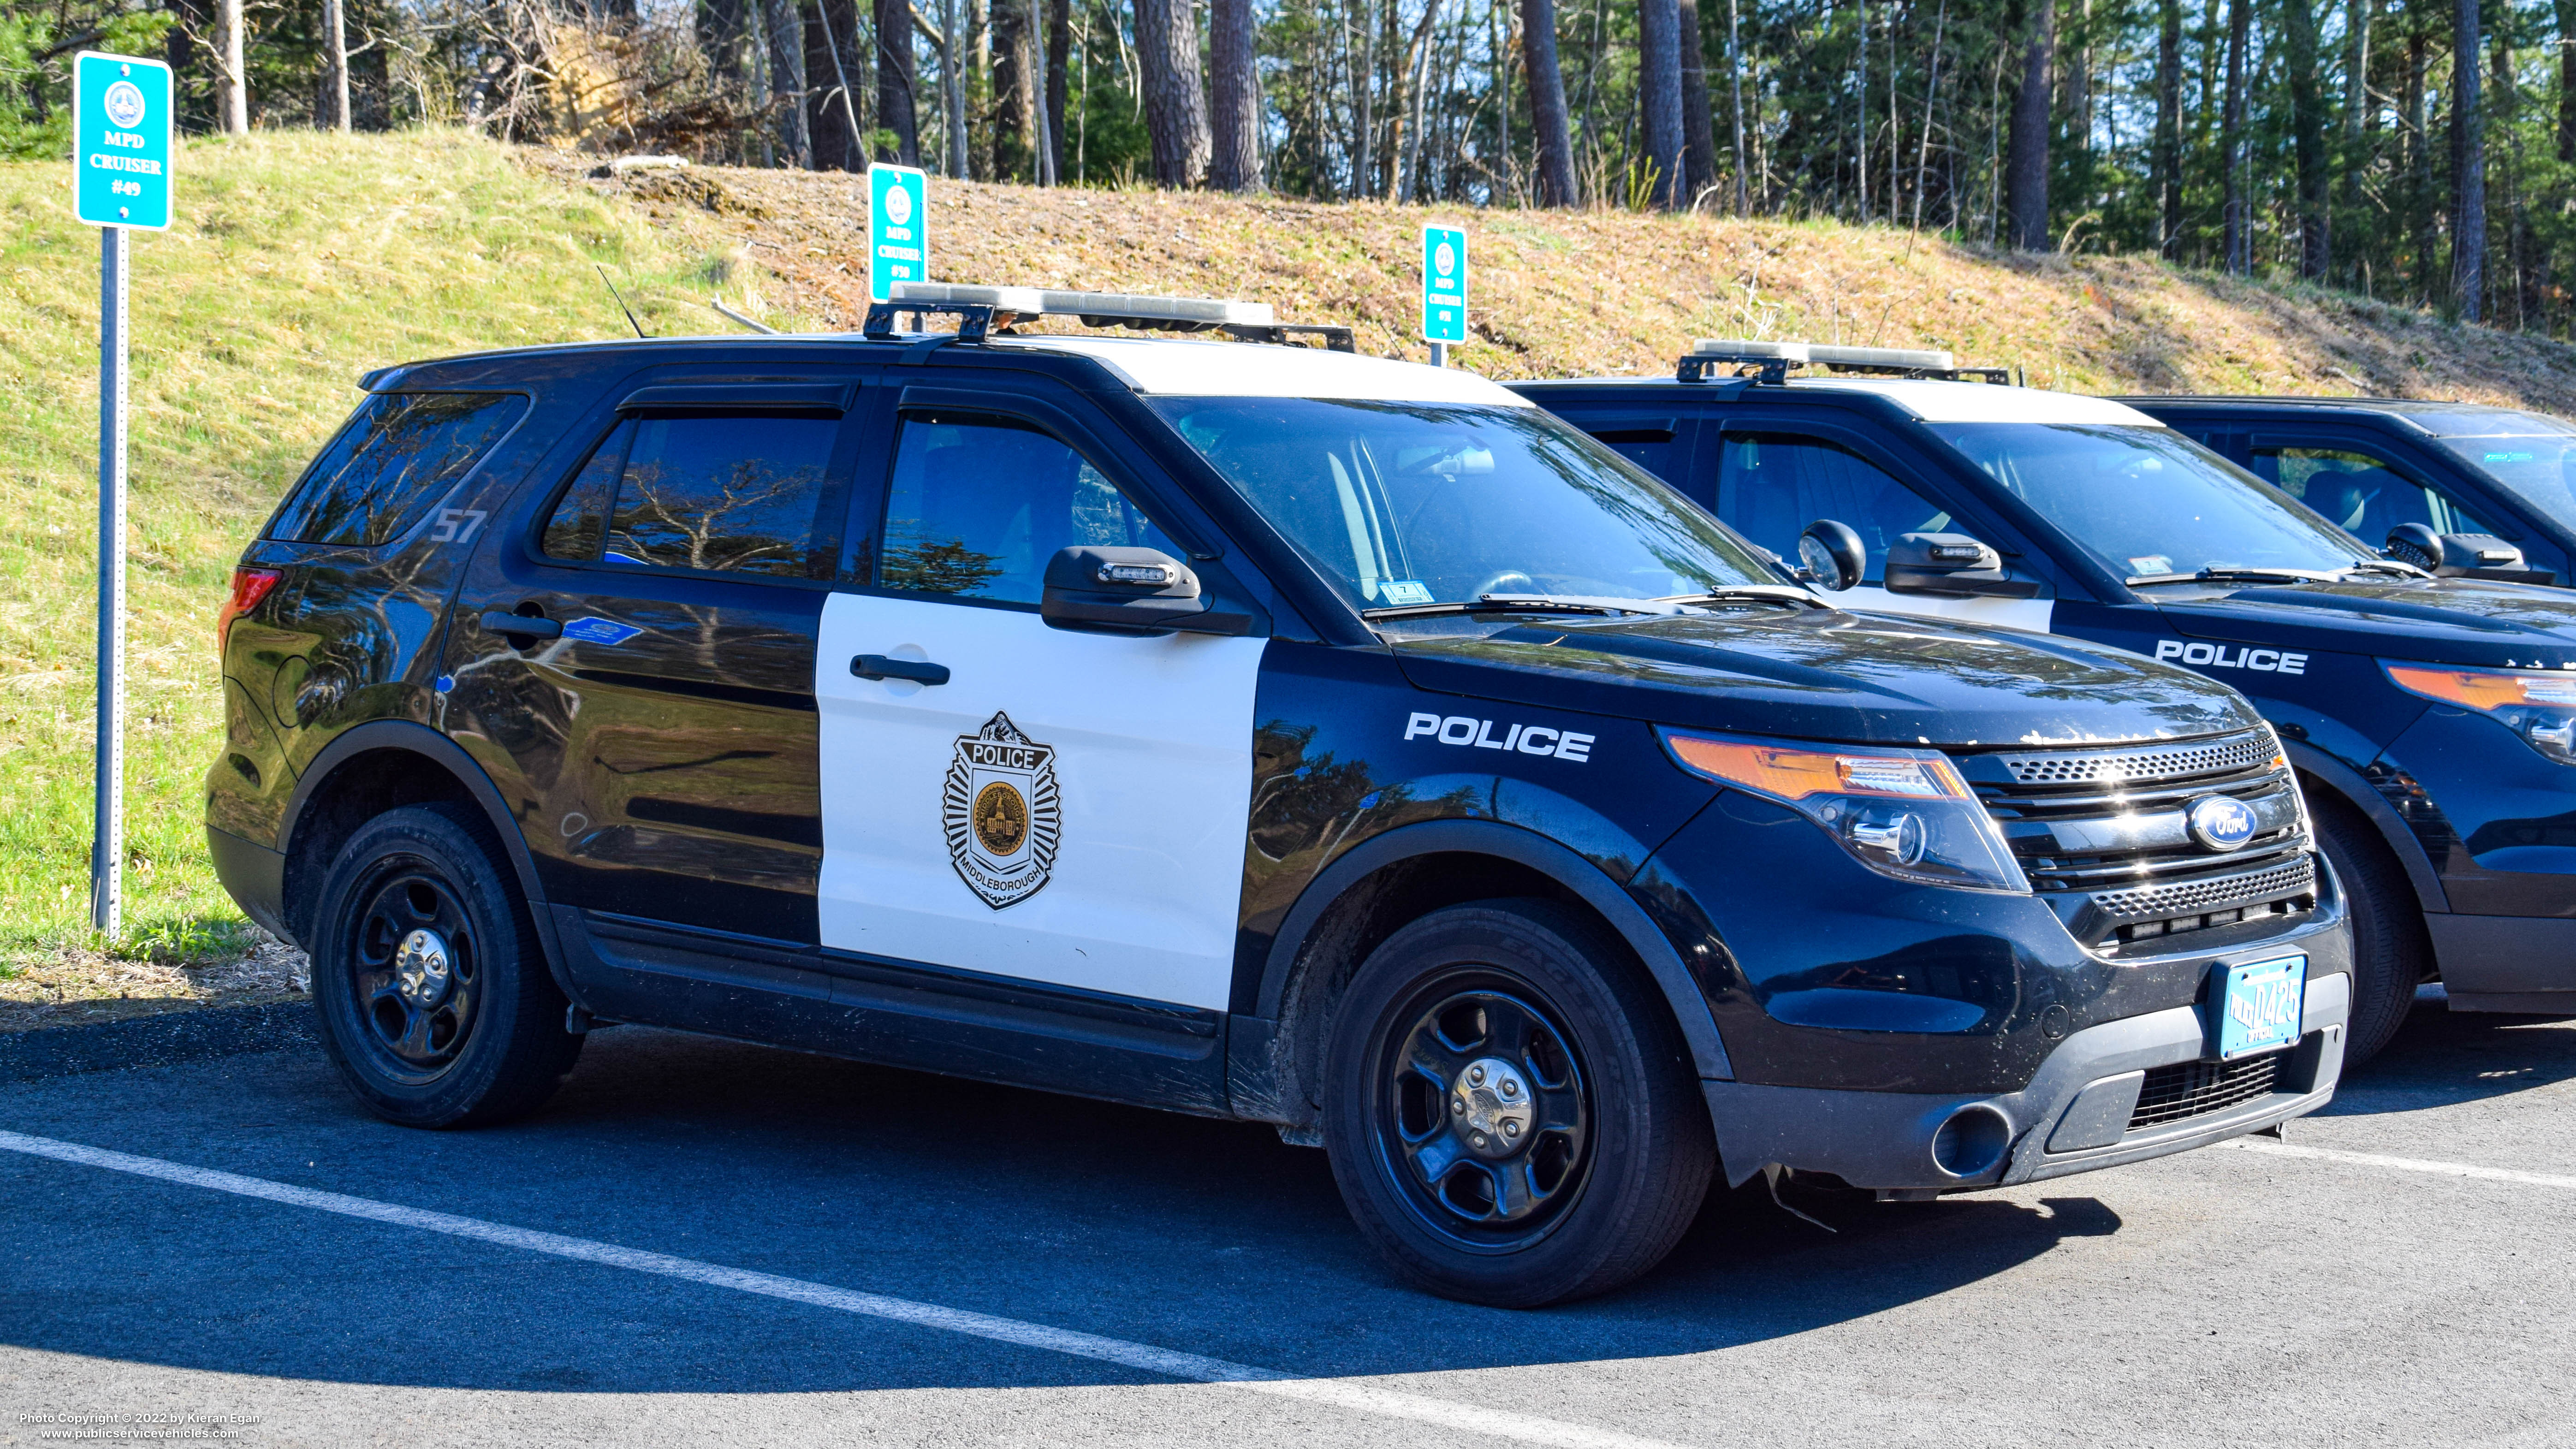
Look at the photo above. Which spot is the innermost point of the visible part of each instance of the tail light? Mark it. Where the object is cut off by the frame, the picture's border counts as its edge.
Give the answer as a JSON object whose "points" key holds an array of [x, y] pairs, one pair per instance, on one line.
{"points": [[249, 587]]}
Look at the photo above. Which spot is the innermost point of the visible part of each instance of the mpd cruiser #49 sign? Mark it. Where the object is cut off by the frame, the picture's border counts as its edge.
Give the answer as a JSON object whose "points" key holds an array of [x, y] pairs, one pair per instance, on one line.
{"points": [[121, 141]]}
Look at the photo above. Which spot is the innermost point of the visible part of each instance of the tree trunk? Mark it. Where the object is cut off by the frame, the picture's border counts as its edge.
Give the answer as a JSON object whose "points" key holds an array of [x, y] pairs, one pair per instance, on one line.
{"points": [[2419, 155], [2308, 138], [2026, 169], [1234, 114], [833, 117], [2168, 151], [787, 81], [952, 86], [1551, 141], [2238, 231], [1364, 104], [1059, 52], [1699, 127], [1735, 88], [1176, 120], [232, 84], [895, 82], [180, 52], [335, 66], [2468, 165], [2567, 82], [1014, 115], [1416, 83], [2355, 160], [1659, 84]]}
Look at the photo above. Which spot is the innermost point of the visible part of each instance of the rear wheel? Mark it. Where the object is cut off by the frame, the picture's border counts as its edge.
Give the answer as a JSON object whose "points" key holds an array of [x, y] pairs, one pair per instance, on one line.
{"points": [[1510, 1111], [2389, 949], [435, 1000]]}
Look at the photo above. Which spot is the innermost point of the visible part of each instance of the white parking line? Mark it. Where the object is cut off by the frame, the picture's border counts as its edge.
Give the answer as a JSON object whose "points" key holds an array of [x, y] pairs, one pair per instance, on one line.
{"points": [[1338, 1393], [2401, 1164]]}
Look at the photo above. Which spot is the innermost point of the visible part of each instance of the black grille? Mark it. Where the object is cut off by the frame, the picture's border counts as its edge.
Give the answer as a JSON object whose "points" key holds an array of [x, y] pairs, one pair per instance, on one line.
{"points": [[2197, 1089], [2102, 834]]}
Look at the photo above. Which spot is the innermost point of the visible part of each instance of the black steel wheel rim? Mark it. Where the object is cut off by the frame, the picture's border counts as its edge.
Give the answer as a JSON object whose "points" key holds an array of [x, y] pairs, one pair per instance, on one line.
{"points": [[1468, 1061], [412, 1022]]}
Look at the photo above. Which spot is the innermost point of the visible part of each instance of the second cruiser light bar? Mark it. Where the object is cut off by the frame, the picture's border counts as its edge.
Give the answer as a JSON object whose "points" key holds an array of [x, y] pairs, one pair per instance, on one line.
{"points": [[1769, 362], [981, 311]]}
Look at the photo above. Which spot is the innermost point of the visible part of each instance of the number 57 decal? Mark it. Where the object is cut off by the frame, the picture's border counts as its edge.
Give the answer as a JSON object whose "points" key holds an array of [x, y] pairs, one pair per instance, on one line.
{"points": [[456, 525]]}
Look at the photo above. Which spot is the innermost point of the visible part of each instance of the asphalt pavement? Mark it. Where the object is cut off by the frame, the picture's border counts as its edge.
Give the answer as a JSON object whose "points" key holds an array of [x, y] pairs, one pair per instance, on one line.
{"points": [[701, 1242]]}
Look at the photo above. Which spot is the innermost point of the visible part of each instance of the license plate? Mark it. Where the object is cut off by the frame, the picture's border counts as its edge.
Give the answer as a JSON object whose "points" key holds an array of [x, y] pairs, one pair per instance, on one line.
{"points": [[2259, 1006]]}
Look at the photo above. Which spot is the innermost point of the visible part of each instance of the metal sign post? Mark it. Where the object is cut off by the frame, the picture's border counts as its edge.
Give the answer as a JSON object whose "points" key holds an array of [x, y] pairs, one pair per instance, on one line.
{"points": [[1444, 289], [898, 228], [121, 181]]}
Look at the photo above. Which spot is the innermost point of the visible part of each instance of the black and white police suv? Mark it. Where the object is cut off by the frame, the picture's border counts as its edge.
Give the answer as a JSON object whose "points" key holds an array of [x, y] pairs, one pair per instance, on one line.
{"points": [[1249, 729]]}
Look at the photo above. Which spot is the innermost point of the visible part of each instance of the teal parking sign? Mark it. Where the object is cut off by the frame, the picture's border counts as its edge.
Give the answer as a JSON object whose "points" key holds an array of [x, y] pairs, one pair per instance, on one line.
{"points": [[121, 141], [898, 229], [1444, 284]]}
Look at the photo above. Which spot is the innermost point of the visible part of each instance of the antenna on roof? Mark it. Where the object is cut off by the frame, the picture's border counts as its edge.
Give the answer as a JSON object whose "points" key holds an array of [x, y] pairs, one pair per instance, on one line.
{"points": [[761, 327], [621, 301]]}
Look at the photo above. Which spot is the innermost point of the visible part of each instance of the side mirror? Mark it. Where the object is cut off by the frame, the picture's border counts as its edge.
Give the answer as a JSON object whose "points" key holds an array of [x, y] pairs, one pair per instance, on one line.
{"points": [[2458, 555], [1129, 591], [1951, 564], [1831, 555]]}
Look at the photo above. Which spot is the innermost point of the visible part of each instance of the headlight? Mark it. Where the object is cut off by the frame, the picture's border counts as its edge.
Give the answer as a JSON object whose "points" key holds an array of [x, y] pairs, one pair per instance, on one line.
{"points": [[2539, 706], [1903, 813]]}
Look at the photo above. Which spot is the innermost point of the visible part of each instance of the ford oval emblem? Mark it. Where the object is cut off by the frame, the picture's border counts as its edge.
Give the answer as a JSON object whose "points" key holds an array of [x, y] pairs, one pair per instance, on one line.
{"points": [[2221, 823]]}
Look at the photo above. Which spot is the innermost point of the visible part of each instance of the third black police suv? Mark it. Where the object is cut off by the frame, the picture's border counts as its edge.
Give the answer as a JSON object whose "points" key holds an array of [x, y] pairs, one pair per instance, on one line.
{"points": [[1247, 729], [2432, 720]]}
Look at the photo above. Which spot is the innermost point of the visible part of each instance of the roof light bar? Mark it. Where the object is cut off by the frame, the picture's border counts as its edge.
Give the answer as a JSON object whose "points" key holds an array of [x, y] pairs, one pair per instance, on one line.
{"points": [[980, 309], [1769, 362]]}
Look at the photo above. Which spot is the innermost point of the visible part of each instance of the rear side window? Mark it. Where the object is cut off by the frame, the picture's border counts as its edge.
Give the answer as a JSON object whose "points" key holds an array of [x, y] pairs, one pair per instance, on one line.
{"points": [[728, 494], [399, 455]]}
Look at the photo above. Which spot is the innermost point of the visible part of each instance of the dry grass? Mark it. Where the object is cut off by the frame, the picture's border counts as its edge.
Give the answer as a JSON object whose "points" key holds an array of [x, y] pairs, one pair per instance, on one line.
{"points": [[1559, 293]]}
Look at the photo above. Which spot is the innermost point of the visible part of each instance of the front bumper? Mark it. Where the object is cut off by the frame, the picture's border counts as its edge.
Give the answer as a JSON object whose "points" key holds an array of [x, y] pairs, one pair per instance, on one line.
{"points": [[2073, 1117]]}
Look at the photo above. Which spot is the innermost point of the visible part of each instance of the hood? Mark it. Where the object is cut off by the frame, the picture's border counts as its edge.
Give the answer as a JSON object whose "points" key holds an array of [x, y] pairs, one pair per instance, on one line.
{"points": [[2434, 621], [1822, 674]]}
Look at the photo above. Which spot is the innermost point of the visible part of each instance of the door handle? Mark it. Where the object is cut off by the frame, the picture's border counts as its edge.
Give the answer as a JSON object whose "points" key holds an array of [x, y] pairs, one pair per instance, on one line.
{"points": [[878, 666], [526, 625]]}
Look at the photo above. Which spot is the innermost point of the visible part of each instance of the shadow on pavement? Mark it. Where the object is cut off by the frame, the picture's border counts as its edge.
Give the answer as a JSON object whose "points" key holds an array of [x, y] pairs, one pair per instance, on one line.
{"points": [[1205, 1236], [2441, 1058]]}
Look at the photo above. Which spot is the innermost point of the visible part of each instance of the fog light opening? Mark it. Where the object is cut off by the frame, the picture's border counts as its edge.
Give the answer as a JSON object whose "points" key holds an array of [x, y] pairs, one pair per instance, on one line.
{"points": [[1972, 1141]]}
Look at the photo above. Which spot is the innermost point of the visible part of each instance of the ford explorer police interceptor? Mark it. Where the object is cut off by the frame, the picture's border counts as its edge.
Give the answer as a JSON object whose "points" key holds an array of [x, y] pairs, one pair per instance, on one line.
{"points": [[2432, 720], [1244, 728]]}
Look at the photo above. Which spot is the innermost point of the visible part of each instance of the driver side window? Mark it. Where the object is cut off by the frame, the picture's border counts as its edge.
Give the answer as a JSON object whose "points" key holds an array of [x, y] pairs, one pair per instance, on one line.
{"points": [[1770, 486], [2363, 495], [979, 504]]}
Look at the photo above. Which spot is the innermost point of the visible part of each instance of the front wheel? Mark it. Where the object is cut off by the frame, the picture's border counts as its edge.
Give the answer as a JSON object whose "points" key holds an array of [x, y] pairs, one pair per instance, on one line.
{"points": [[2389, 950], [435, 1000], [1511, 1113]]}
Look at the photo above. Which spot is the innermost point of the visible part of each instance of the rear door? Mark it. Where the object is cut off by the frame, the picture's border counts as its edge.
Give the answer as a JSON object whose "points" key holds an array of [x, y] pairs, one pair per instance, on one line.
{"points": [[657, 704], [1065, 808]]}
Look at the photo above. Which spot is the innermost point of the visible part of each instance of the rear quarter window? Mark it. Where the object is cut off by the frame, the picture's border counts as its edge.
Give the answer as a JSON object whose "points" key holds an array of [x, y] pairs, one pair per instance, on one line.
{"points": [[400, 453]]}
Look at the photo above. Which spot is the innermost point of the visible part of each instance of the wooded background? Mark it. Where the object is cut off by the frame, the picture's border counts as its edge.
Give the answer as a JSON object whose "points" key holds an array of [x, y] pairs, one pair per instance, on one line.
{"points": [[2421, 151]]}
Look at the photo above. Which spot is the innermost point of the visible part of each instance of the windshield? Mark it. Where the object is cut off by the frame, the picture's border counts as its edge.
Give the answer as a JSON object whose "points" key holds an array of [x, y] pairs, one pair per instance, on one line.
{"points": [[1435, 503], [2538, 468], [2148, 501]]}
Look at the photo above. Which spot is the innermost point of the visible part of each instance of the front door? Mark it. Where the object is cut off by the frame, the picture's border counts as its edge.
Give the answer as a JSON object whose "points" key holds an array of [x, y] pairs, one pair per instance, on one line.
{"points": [[1066, 807]]}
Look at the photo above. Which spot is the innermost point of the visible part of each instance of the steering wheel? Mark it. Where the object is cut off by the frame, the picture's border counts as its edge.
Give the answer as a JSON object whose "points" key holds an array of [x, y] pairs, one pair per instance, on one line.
{"points": [[1494, 585]]}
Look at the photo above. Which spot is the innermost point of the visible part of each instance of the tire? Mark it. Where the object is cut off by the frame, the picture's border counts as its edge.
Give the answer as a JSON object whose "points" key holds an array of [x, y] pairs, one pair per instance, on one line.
{"points": [[2389, 950], [1583, 1150], [465, 1032]]}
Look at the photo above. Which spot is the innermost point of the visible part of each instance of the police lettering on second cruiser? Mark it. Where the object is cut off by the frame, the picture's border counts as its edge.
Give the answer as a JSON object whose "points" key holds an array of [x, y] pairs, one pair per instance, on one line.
{"points": [[2220, 656], [1458, 729]]}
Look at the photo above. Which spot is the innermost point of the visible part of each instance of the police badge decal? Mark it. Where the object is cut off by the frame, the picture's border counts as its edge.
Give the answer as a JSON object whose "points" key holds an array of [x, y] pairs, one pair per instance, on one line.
{"points": [[1002, 813]]}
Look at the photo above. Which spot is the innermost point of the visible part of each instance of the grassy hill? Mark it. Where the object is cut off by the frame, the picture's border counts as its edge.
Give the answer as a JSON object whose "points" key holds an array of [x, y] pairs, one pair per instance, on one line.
{"points": [[302, 260]]}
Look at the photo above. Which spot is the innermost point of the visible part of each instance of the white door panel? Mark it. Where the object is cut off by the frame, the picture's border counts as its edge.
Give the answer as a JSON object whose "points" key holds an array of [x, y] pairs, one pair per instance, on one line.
{"points": [[2031, 614], [1095, 841]]}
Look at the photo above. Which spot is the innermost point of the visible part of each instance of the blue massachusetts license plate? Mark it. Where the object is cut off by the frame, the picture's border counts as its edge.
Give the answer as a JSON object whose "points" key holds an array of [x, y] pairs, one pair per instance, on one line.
{"points": [[2258, 1005]]}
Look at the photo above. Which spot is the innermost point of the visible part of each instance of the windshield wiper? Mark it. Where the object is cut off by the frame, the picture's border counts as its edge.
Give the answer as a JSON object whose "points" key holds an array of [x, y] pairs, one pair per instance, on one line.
{"points": [[2387, 566], [1524, 604], [1773, 593], [2217, 575]]}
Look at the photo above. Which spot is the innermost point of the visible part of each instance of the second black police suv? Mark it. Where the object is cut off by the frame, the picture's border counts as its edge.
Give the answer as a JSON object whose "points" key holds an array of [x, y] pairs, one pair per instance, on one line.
{"points": [[2432, 719], [1246, 729]]}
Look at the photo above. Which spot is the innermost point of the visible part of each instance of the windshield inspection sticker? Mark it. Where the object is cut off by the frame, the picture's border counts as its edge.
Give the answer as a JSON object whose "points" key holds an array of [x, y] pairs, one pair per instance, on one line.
{"points": [[2217, 656], [1458, 729], [1404, 591]]}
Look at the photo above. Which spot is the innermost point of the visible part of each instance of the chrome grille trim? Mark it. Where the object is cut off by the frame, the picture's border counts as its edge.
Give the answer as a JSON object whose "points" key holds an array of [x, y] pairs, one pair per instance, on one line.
{"points": [[2197, 897], [2143, 765]]}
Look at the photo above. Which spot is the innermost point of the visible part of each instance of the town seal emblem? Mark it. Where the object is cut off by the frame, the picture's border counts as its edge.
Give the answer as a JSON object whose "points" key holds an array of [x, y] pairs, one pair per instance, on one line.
{"points": [[1001, 813]]}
